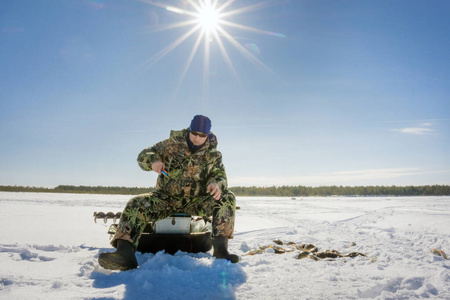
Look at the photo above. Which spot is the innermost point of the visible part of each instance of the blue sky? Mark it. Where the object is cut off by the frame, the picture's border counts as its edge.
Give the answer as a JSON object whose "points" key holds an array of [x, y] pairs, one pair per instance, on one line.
{"points": [[326, 93]]}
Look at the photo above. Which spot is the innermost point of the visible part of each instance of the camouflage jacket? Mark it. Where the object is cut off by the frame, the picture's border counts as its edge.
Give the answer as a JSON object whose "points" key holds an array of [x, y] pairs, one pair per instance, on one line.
{"points": [[189, 173]]}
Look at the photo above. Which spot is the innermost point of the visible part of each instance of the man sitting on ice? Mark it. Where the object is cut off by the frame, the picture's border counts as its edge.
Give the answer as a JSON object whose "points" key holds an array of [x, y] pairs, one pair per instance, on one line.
{"points": [[191, 180]]}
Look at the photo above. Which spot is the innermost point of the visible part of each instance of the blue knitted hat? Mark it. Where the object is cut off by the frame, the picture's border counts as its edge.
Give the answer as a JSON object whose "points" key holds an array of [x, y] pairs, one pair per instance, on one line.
{"points": [[201, 124]]}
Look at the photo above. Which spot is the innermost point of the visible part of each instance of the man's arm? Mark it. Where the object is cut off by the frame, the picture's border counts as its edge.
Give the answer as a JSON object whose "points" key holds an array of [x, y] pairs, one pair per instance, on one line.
{"points": [[217, 178], [152, 155]]}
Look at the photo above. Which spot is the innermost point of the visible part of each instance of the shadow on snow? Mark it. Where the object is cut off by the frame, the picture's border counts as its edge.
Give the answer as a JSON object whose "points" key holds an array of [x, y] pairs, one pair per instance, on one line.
{"points": [[187, 275]]}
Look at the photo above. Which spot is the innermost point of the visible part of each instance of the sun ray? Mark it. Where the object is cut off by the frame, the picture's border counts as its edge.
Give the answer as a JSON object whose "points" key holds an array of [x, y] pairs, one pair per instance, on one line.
{"points": [[188, 62], [160, 55], [226, 57], [160, 28], [247, 9], [194, 5], [206, 63], [252, 58], [225, 5], [171, 8], [235, 25]]}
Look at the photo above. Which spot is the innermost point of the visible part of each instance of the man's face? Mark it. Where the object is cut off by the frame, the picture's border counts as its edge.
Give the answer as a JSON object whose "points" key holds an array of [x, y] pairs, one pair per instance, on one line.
{"points": [[197, 138]]}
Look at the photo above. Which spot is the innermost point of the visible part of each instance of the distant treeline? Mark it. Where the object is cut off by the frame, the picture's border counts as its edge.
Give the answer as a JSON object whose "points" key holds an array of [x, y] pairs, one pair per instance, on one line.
{"points": [[282, 191], [121, 190], [297, 191]]}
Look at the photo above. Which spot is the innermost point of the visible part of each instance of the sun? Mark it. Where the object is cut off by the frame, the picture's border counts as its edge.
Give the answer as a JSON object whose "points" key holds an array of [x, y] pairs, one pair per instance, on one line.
{"points": [[208, 17]]}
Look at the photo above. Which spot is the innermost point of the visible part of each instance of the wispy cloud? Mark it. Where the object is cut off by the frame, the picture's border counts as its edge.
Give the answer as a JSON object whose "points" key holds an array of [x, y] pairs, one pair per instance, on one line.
{"points": [[378, 173], [424, 128], [334, 178]]}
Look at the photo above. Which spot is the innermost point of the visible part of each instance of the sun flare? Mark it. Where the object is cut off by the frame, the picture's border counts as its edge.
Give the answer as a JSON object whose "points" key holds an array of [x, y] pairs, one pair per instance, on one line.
{"points": [[208, 17]]}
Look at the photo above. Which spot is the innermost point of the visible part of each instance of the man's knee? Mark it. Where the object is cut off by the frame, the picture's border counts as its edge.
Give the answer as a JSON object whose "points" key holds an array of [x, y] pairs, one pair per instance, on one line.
{"points": [[229, 196], [139, 199]]}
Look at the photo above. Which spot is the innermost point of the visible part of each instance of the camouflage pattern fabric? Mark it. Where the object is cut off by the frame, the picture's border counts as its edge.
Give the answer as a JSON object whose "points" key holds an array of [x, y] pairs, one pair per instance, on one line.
{"points": [[183, 191]]}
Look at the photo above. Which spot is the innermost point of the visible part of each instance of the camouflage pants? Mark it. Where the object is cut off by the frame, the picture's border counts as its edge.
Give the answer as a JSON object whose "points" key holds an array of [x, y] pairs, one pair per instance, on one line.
{"points": [[157, 205]]}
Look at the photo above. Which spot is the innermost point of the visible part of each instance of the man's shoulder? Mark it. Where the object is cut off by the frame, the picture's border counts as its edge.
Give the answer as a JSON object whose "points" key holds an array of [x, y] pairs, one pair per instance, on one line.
{"points": [[178, 134], [212, 140]]}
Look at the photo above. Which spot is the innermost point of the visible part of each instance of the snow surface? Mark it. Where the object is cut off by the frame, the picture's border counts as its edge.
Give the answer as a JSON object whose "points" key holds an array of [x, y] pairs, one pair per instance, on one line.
{"points": [[49, 248]]}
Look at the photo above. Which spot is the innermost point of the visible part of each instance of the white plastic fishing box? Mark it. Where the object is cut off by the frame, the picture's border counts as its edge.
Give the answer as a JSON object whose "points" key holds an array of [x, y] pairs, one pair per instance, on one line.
{"points": [[176, 224]]}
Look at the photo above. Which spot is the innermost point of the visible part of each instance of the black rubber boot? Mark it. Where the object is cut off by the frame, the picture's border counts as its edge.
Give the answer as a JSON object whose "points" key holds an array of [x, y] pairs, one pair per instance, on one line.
{"points": [[220, 244], [123, 259]]}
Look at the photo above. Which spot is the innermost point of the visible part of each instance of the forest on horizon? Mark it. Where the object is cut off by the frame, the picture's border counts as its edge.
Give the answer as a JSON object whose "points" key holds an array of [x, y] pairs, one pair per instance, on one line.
{"points": [[276, 191]]}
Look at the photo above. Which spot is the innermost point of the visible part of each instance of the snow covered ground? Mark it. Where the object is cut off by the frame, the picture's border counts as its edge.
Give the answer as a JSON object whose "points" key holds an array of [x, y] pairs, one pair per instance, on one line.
{"points": [[49, 246]]}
